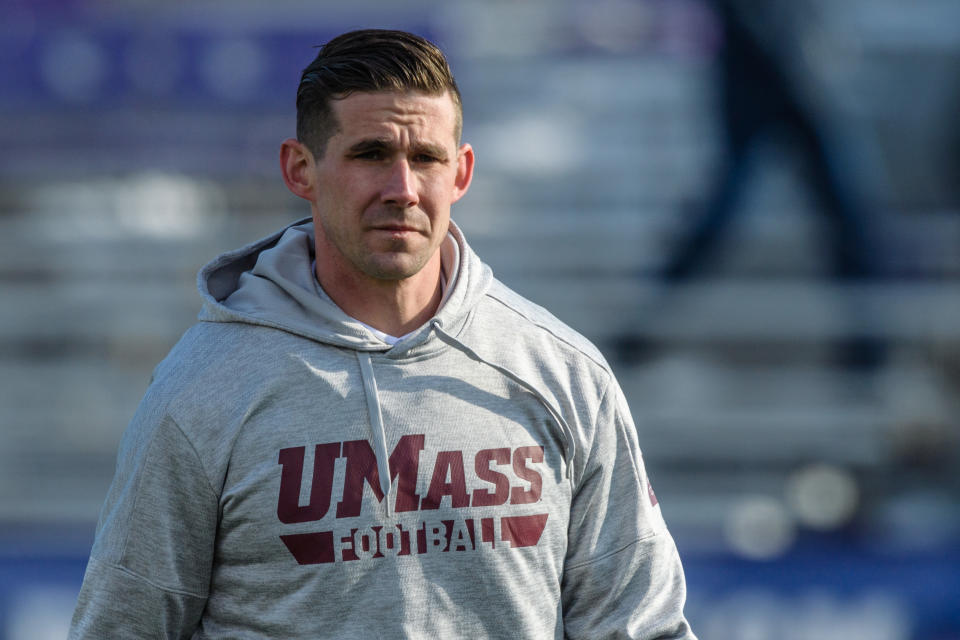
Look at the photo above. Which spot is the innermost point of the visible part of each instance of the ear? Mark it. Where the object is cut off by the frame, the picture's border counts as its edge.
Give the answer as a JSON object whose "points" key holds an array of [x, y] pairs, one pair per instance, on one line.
{"points": [[464, 171], [296, 164]]}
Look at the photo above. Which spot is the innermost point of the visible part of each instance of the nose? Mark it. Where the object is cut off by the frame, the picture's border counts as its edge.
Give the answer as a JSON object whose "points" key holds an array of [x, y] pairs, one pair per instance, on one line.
{"points": [[400, 188]]}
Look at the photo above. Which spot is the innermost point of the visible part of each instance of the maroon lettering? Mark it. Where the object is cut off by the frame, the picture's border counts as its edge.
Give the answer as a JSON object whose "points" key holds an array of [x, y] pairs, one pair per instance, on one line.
{"points": [[432, 537], [385, 542], [460, 535], [443, 536], [362, 468], [449, 464], [288, 505], [348, 544], [487, 533], [422, 538], [481, 465], [376, 533], [518, 495], [404, 465], [311, 548], [404, 541], [523, 531]]}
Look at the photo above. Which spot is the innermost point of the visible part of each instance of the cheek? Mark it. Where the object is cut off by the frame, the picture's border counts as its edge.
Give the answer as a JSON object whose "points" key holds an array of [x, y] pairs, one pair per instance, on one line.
{"points": [[342, 200], [439, 192]]}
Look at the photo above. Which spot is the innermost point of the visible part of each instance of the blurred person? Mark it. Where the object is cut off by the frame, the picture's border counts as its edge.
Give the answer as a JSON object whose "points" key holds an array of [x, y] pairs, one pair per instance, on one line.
{"points": [[367, 435], [768, 95]]}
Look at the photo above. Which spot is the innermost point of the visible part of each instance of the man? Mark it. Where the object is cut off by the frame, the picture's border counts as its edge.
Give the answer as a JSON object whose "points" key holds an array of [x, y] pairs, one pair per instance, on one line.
{"points": [[767, 94], [367, 436]]}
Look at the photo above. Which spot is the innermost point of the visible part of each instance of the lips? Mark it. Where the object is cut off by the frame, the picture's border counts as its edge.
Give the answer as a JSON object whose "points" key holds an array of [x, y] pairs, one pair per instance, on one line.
{"points": [[395, 228], [397, 221]]}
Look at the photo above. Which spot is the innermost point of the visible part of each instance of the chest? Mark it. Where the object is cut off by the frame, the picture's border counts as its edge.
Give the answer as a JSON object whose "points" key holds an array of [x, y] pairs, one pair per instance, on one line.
{"points": [[476, 470]]}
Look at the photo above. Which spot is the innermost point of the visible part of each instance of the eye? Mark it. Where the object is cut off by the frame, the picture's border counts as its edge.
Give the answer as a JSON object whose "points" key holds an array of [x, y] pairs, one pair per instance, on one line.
{"points": [[373, 155]]}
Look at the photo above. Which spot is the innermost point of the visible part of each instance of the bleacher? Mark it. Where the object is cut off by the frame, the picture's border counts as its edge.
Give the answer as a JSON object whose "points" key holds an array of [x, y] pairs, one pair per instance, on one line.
{"points": [[592, 155]]}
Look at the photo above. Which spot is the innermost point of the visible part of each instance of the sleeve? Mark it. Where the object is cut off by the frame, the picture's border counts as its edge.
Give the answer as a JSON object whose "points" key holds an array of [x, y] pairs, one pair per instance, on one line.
{"points": [[622, 576], [150, 566]]}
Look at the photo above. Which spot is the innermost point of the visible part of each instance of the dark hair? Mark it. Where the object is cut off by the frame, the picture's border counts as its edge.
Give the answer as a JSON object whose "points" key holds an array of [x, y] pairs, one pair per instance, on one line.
{"points": [[368, 60]]}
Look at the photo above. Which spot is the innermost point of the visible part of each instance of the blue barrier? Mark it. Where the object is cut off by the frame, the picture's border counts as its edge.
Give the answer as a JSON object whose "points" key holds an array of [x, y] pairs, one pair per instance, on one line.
{"points": [[818, 592]]}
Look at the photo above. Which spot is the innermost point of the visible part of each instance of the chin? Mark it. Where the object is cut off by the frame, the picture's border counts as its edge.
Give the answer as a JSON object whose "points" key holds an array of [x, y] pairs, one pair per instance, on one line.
{"points": [[395, 268]]}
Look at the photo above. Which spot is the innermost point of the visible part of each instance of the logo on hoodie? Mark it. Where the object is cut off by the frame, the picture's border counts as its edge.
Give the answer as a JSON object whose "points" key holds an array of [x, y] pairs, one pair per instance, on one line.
{"points": [[506, 477]]}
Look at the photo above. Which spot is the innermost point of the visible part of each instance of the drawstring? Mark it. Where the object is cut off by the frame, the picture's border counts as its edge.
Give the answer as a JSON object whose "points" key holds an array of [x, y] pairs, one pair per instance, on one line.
{"points": [[376, 426], [569, 447], [376, 415]]}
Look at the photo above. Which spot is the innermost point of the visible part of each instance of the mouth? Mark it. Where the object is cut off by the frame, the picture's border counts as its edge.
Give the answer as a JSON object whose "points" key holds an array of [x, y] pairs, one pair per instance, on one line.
{"points": [[395, 228]]}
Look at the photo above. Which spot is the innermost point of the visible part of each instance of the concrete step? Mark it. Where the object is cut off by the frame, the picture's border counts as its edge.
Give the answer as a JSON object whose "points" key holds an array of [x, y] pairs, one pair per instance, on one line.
{"points": [[751, 311]]}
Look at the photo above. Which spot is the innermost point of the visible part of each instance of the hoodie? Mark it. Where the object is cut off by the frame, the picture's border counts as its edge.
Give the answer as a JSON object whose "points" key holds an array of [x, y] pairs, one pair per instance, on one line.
{"points": [[289, 474]]}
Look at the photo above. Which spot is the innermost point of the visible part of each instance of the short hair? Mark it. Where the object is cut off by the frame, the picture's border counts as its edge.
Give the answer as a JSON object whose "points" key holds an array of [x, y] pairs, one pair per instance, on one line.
{"points": [[368, 60]]}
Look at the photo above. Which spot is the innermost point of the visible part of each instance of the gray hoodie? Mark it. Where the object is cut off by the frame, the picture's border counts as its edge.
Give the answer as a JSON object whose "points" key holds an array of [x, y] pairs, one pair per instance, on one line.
{"points": [[290, 475]]}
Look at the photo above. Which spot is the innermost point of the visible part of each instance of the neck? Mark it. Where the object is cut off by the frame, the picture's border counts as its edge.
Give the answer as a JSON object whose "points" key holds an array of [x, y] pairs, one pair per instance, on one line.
{"points": [[395, 307]]}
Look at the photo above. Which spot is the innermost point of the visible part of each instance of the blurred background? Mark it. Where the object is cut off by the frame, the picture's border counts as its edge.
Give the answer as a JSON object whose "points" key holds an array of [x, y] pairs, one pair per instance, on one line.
{"points": [[752, 208]]}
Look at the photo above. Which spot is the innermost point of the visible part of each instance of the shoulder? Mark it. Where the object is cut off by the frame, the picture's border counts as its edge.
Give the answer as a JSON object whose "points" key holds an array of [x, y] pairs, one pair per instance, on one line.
{"points": [[555, 359], [205, 349], [533, 317], [215, 371], [528, 317], [208, 351], [207, 386]]}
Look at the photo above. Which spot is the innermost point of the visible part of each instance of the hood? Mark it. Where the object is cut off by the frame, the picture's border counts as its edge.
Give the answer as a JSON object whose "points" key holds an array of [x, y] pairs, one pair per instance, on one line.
{"points": [[271, 283]]}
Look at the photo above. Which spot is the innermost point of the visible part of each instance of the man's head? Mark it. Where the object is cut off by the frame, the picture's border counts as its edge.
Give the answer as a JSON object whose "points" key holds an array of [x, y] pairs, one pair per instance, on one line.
{"points": [[386, 118], [370, 60]]}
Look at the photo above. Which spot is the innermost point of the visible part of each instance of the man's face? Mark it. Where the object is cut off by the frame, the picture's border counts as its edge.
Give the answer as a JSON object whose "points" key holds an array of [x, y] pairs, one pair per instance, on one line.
{"points": [[385, 184]]}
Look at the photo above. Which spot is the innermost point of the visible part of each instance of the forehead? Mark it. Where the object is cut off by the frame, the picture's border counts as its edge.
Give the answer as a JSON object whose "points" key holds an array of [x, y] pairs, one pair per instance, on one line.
{"points": [[366, 114]]}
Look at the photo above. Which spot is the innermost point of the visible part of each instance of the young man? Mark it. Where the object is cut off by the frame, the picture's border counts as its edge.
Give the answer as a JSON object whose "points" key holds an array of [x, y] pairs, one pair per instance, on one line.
{"points": [[367, 435]]}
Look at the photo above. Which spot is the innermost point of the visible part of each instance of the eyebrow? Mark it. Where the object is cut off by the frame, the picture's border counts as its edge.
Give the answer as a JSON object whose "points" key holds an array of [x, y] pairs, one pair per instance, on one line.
{"points": [[385, 144]]}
